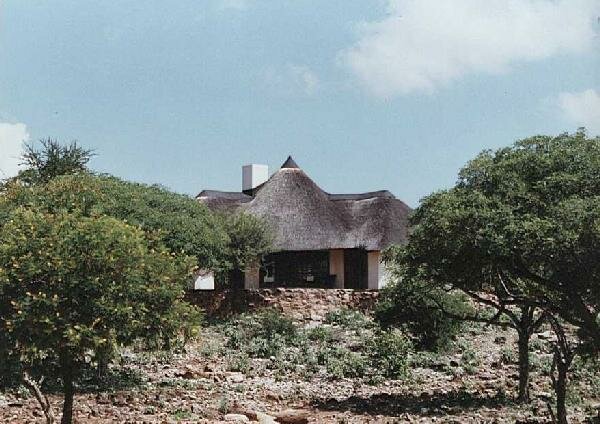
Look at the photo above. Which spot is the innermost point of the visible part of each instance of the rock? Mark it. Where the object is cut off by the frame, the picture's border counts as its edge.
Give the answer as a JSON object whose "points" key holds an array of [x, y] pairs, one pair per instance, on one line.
{"points": [[272, 395], [292, 416], [188, 373], [119, 401], [264, 418], [235, 377], [236, 418], [546, 335]]}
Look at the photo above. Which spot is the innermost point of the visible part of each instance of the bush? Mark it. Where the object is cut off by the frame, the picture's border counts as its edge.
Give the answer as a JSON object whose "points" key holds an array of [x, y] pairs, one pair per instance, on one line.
{"points": [[343, 363], [319, 334], [348, 318], [262, 334], [415, 306], [389, 353]]}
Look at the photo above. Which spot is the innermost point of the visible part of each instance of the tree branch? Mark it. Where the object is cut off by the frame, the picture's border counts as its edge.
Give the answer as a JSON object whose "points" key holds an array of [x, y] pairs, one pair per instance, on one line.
{"points": [[34, 388]]}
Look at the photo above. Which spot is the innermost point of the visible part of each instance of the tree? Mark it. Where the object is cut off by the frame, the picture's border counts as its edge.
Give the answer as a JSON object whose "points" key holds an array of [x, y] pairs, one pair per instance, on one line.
{"points": [[249, 238], [73, 280], [183, 224], [522, 224], [51, 160], [218, 243], [432, 314]]}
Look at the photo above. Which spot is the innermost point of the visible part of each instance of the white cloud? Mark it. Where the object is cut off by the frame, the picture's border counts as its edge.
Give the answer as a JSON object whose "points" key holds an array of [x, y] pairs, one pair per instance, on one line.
{"points": [[423, 44], [582, 108], [12, 137]]}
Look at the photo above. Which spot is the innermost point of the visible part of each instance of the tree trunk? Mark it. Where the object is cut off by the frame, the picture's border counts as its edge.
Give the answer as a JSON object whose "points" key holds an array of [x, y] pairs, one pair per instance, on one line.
{"points": [[42, 399], [563, 358], [560, 390], [69, 392], [523, 394]]}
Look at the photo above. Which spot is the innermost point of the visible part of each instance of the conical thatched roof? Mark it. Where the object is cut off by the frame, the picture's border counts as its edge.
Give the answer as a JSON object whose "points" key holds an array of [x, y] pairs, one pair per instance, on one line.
{"points": [[304, 217]]}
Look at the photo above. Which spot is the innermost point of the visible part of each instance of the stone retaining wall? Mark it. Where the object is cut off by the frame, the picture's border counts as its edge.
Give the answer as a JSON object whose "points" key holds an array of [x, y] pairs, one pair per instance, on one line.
{"points": [[300, 304]]}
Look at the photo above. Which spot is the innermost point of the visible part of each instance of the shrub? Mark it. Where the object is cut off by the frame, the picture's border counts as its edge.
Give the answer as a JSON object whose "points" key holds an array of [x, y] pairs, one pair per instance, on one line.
{"points": [[262, 334], [415, 306], [240, 362], [389, 353], [319, 334], [343, 363], [348, 318]]}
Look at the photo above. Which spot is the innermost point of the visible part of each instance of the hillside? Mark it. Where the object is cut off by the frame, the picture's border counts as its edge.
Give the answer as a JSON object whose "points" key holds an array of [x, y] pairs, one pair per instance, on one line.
{"points": [[257, 367]]}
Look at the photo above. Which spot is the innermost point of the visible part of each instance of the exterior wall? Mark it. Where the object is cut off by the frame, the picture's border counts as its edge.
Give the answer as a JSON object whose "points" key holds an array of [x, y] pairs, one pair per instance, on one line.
{"points": [[252, 277], [374, 270], [384, 275], [336, 267], [204, 281], [254, 175]]}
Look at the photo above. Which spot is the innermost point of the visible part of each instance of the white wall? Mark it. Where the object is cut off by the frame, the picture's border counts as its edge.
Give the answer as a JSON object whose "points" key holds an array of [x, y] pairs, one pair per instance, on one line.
{"points": [[373, 269], [204, 281], [254, 175], [384, 275], [336, 267]]}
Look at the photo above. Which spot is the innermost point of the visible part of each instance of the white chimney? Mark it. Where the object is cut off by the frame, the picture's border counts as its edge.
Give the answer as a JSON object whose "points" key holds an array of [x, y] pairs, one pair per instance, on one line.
{"points": [[254, 175]]}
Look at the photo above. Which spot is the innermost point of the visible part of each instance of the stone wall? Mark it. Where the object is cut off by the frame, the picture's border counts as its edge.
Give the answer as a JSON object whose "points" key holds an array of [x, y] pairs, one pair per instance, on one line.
{"points": [[300, 304]]}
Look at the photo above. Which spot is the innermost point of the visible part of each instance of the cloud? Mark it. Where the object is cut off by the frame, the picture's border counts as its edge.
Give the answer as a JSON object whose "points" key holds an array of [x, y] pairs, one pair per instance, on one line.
{"points": [[12, 137], [291, 80], [582, 108], [423, 44]]}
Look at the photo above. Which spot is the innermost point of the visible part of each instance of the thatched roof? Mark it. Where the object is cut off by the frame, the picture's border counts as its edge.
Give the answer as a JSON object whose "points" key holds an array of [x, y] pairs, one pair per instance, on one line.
{"points": [[304, 217]]}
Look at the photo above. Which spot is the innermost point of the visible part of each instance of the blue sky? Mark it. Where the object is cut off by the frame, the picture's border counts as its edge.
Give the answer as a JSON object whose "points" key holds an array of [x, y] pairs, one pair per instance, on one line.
{"points": [[391, 95]]}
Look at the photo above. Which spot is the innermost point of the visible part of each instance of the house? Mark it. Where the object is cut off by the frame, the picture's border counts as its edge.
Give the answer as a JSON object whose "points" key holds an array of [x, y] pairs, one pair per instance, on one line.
{"points": [[321, 239]]}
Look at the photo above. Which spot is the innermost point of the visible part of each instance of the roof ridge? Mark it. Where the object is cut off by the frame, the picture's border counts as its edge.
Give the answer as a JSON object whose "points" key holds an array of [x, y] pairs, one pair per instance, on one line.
{"points": [[290, 164]]}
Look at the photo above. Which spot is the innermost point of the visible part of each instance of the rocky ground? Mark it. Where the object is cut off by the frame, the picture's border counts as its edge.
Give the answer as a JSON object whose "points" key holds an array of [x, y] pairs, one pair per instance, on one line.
{"points": [[213, 382]]}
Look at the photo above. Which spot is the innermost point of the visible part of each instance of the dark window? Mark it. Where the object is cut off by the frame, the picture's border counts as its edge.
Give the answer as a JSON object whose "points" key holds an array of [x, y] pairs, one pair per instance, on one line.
{"points": [[296, 269], [355, 269]]}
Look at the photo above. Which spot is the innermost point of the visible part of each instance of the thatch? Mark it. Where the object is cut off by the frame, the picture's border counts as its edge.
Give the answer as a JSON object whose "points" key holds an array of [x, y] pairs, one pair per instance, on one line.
{"points": [[304, 217]]}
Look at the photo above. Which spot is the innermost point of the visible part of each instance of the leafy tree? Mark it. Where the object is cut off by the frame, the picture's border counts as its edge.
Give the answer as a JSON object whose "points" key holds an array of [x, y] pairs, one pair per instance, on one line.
{"points": [[249, 238], [75, 281], [219, 243], [522, 225], [183, 224], [51, 160], [432, 314]]}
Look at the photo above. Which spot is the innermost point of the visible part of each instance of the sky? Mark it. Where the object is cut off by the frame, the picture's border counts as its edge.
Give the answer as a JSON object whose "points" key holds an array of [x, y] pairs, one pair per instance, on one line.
{"points": [[365, 95]]}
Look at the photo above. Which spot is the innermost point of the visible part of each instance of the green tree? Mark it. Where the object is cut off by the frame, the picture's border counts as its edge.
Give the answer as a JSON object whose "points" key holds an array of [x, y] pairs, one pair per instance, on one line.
{"points": [[219, 243], [249, 239], [522, 224], [51, 160], [430, 313], [74, 281], [182, 223]]}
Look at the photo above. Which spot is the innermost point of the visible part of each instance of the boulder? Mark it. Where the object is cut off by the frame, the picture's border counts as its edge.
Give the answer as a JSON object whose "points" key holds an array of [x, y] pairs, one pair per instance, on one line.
{"points": [[292, 416], [236, 418]]}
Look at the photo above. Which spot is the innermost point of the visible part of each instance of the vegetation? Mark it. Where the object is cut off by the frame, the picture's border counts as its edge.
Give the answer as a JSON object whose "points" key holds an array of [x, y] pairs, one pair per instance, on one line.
{"points": [[91, 262], [521, 225], [248, 239], [431, 314], [183, 225], [318, 351], [73, 282], [218, 242], [52, 159]]}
